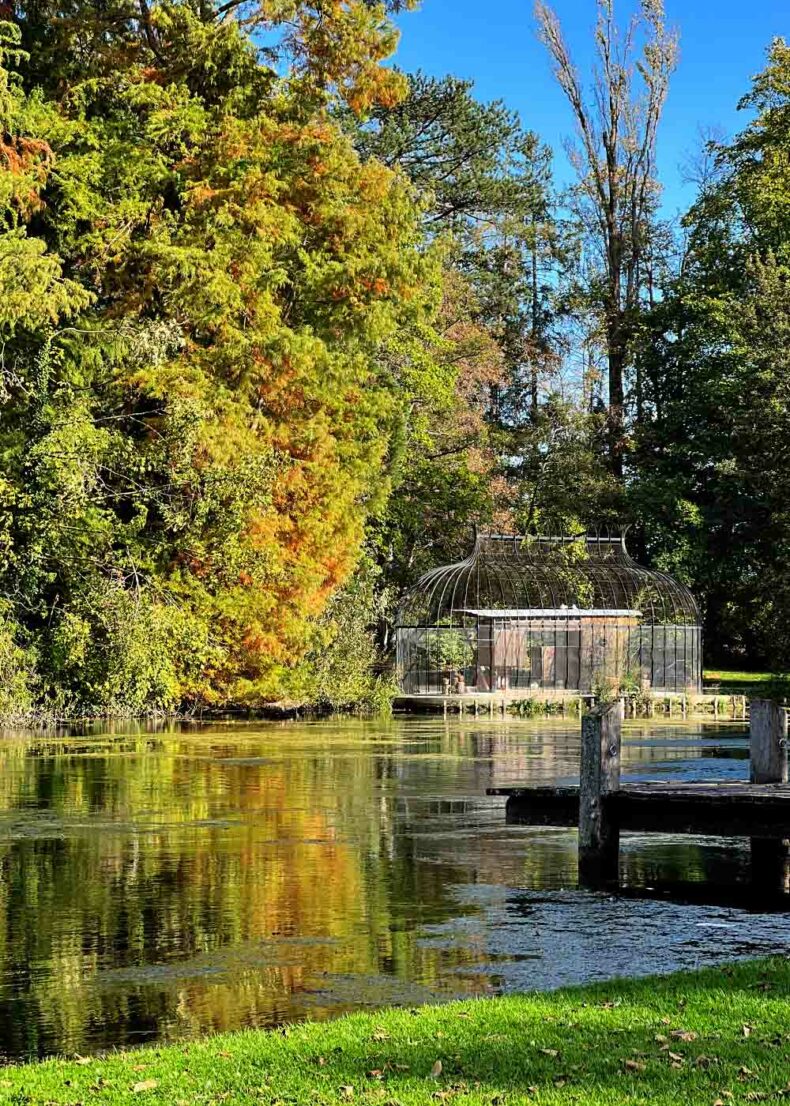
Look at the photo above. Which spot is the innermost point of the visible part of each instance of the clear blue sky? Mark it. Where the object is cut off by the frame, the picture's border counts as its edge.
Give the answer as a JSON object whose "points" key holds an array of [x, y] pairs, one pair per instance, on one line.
{"points": [[722, 45]]}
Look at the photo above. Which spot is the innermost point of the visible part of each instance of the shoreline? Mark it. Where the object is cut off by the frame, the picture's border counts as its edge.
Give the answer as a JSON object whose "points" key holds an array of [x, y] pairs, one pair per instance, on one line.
{"points": [[719, 1035]]}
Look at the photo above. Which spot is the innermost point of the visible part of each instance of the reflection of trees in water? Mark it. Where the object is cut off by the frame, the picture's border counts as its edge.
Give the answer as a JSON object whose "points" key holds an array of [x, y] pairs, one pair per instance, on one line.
{"points": [[182, 883], [174, 852]]}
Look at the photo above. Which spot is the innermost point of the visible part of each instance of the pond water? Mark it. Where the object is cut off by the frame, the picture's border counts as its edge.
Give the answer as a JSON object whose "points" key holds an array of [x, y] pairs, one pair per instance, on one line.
{"points": [[157, 884]]}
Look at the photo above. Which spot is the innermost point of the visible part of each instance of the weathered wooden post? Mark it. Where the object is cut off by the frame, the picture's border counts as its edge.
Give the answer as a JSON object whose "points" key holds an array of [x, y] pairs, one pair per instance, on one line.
{"points": [[768, 764], [767, 741], [599, 835]]}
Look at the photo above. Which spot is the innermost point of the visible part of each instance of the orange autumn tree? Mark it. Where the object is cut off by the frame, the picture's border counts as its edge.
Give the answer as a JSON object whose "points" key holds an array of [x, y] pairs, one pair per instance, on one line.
{"points": [[193, 459]]}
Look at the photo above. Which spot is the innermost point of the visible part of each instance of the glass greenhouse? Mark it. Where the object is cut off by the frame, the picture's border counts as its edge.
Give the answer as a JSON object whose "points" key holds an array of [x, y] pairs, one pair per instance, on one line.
{"points": [[548, 614]]}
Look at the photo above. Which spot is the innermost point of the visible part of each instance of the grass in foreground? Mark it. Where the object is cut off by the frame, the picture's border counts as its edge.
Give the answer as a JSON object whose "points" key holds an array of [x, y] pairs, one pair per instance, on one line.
{"points": [[713, 1037]]}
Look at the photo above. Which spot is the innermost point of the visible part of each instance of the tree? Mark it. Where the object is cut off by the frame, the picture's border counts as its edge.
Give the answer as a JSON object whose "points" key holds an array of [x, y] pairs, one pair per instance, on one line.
{"points": [[201, 278], [487, 181], [486, 184], [712, 480], [474, 161], [331, 50], [615, 164]]}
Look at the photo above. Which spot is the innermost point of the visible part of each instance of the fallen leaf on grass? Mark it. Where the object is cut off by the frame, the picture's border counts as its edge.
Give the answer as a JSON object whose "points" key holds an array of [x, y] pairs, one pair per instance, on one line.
{"points": [[145, 1085], [746, 1029], [83, 1059], [347, 1092], [436, 1070], [676, 1056], [549, 1052], [683, 1035], [635, 1065]]}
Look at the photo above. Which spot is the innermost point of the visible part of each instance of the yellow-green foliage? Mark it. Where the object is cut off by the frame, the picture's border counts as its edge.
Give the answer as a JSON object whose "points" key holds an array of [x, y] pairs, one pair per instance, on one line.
{"points": [[198, 275]]}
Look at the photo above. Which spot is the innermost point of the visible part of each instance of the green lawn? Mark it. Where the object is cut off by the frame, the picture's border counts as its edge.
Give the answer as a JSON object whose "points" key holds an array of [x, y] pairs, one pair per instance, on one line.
{"points": [[717, 1036], [749, 683]]}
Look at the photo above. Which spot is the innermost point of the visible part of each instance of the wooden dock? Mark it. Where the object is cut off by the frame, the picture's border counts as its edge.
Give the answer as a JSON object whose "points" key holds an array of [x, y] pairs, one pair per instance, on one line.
{"points": [[602, 808], [524, 703], [713, 809]]}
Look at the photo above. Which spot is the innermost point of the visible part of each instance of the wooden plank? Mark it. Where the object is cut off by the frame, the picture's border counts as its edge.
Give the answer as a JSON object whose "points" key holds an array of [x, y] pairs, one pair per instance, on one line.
{"points": [[723, 788], [708, 811], [541, 806], [722, 810]]}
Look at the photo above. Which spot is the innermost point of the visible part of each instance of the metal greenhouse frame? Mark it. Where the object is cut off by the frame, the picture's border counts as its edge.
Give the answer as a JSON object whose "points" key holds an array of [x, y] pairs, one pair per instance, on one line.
{"points": [[554, 614]]}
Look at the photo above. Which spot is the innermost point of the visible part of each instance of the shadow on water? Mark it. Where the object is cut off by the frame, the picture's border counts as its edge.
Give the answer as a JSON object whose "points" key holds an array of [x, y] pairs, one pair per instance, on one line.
{"points": [[160, 883]]}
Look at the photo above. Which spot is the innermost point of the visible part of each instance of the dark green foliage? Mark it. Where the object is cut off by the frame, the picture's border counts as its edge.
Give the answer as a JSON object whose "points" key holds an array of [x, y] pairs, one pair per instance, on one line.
{"points": [[712, 480]]}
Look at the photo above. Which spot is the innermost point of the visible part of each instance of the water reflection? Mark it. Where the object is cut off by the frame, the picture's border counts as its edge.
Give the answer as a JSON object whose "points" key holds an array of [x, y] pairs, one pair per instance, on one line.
{"points": [[156, 884]]}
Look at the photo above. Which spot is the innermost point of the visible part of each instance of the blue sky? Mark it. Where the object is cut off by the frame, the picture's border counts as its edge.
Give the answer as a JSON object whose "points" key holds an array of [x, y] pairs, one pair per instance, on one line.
{"points": [[722, 44]]}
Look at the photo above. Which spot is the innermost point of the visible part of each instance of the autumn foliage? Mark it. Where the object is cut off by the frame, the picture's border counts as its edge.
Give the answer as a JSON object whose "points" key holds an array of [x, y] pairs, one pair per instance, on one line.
{"points": [[200, 276]]}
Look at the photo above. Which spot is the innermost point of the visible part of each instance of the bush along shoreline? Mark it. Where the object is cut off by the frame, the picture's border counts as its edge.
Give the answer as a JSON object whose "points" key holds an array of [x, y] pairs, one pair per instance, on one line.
{"points": [[714, 1038]]}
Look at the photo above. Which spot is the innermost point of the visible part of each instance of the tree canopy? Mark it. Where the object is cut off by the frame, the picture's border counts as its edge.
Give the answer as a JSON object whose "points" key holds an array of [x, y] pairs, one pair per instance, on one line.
{"points": [[282, 324]]}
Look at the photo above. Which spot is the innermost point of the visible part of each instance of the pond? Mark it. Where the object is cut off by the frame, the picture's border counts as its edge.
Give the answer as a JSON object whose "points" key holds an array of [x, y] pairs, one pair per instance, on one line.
{"points": [[157, 884]]}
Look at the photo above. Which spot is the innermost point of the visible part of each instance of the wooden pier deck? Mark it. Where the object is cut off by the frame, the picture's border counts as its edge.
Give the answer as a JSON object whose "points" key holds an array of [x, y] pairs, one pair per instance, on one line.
{"points": [[602, 807], [709, 808]]}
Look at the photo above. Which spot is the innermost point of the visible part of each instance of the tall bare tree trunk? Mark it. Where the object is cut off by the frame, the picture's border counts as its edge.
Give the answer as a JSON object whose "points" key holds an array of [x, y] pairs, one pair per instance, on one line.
{"points": [[614, 159], [535, 320]]}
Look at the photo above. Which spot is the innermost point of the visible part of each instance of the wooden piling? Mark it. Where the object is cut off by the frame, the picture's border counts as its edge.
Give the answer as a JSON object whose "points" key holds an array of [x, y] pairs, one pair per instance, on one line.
{"points": [[599, 836], [768, 764], [767, 741]]}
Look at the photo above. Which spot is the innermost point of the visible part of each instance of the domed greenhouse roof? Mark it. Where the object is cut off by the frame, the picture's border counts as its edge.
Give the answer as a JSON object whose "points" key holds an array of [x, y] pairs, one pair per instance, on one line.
{"points": [[521, 577]]}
